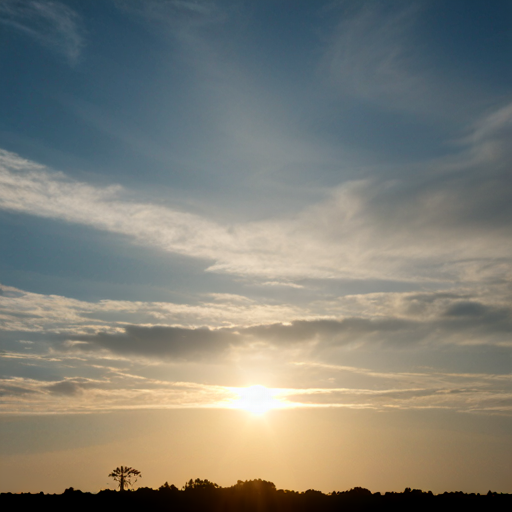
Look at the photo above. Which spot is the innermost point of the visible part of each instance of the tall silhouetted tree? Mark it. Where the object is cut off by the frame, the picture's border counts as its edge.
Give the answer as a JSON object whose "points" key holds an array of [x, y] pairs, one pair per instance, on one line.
{"points": [[124, 475]]}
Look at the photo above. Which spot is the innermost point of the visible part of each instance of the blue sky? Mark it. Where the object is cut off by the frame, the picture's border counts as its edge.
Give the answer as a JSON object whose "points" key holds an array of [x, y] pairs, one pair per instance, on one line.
{"points": [[198, 196]]}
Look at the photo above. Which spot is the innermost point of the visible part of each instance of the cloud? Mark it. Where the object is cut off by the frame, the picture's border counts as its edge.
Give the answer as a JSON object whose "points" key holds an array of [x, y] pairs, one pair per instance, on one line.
{"points": [[489, 138], [66, 387], [32, 396], [27, 312], [462, 392], [368, 229], [7, 389], [333, 332], [478, 393], [370, 54], [30, 188], [177, 15], [468, 400], [378, 52], [175, 342], [229, 327], [461, 323], [118, 359], [50, 23]]}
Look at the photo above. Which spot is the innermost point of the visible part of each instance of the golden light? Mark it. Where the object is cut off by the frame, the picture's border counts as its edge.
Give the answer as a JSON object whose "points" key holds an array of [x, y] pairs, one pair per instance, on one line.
{"points": [[256, 399]]}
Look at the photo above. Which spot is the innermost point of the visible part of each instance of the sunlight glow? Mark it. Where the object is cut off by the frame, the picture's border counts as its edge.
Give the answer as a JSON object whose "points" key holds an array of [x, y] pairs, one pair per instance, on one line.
{"points": [[256, 399]]}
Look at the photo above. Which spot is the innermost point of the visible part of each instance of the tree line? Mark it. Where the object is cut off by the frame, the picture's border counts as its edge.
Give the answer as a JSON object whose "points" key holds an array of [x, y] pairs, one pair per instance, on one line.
{"points": [[246, 496]]}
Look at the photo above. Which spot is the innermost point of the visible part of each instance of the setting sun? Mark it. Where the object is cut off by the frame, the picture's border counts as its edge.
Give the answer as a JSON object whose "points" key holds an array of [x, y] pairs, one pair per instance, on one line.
{"points": [[256, 399]]}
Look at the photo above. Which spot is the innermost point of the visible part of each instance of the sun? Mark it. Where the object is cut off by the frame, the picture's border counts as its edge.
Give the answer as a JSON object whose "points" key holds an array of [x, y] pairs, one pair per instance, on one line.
{"points": [[256, 399]]}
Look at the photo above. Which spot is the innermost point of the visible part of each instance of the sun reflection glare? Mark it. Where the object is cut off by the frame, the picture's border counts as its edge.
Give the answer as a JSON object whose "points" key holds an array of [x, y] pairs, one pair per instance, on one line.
{"points": [[256, 399]]}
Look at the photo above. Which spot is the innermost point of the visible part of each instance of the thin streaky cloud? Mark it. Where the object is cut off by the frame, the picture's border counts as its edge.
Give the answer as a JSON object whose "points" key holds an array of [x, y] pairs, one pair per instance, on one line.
{"points": [[228, 324], [373, 54], [370, 55], [179, 16], [52, 24], [363, 229], [420, 377], [74, 395], [23, 311]]}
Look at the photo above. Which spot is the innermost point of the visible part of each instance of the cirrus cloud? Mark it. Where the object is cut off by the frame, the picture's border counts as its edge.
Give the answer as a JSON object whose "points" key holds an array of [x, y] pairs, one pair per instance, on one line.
{"points": [[51, 24], [380, 229]]}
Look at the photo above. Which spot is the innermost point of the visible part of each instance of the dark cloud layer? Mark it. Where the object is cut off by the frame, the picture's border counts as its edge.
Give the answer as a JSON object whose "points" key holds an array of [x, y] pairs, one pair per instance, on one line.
{"points": [[329, 332], [66, 388], [175, 342], [12, 390], [455, 322]]}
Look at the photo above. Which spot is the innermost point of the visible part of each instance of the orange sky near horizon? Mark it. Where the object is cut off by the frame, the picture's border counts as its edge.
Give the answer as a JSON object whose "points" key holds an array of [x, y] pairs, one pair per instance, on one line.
{"points": [[324, 449]]}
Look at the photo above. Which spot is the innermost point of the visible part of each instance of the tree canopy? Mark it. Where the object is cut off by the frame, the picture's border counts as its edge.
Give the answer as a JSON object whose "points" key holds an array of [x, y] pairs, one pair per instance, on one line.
{"points": [[125, 476]]}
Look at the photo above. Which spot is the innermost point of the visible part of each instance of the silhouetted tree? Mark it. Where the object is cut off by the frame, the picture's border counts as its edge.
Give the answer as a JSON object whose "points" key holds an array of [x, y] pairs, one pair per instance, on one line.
{"points": [[361, 491], [198, 484], [124, 475], [168, 488], [255, 486]]}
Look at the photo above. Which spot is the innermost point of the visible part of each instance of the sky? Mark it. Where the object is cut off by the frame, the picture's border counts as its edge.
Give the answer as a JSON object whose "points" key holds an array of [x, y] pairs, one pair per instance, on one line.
{"points": [[247, 240]]}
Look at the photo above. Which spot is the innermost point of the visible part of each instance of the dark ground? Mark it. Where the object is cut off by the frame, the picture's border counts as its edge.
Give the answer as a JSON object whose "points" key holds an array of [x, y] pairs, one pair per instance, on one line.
{"points": [[251, 496]]}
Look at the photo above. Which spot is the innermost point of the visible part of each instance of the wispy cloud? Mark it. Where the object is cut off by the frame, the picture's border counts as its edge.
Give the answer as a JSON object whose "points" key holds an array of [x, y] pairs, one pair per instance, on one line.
{"points": [[386, 229], [369, 54], [50, 23], [460, 392], [463, 392], [102, 362], [374, 53], [25, 312], [84, 395], [383, 230], [178, 15], [227, 327]]}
